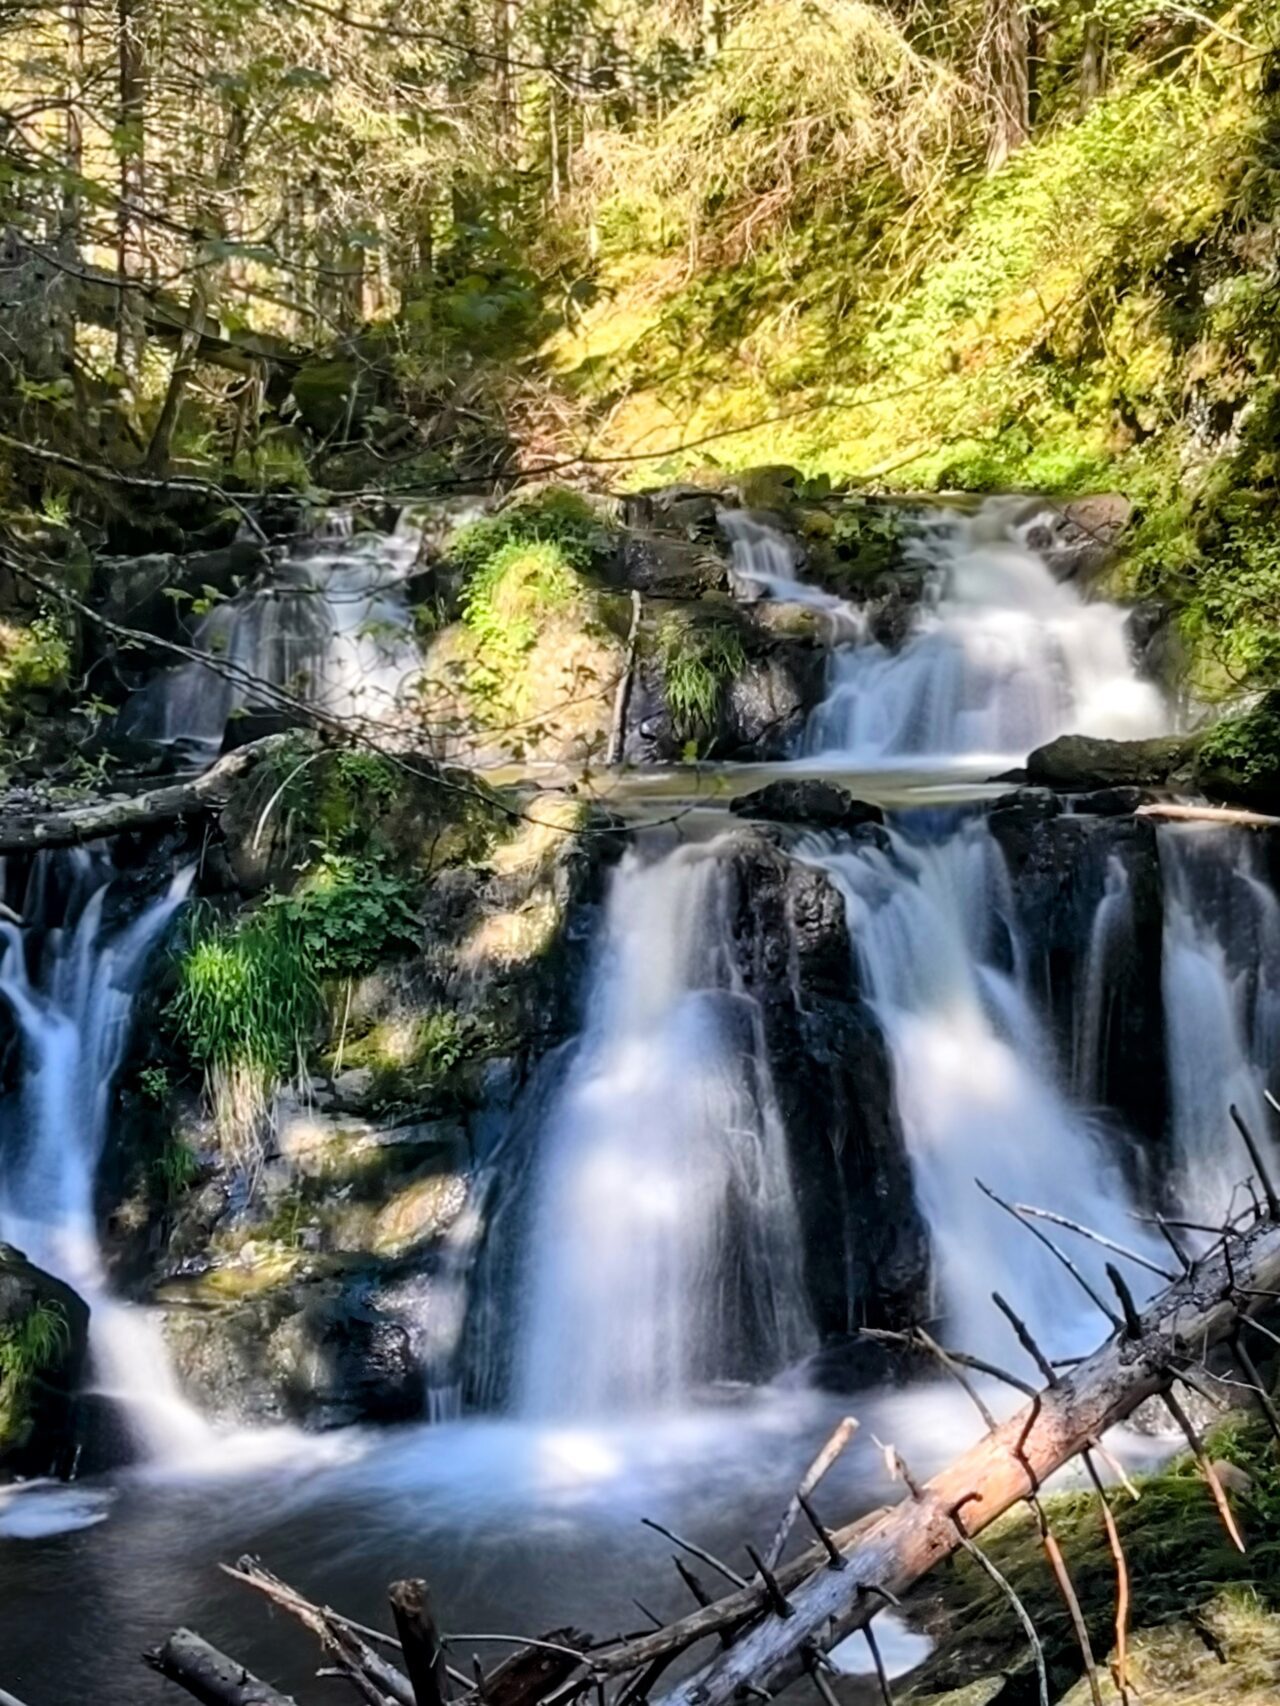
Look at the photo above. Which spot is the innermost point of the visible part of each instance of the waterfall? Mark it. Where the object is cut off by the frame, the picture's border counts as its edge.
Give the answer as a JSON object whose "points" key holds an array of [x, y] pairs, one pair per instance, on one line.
{"points": [[1001, 659], [1221, 988], [977, 1085], [331, 626], [71, 986], [664, 1243]]}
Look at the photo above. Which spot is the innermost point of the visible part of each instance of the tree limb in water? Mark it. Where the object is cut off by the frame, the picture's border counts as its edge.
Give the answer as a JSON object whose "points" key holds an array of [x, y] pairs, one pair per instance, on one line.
{"points": [[211, 1676]]}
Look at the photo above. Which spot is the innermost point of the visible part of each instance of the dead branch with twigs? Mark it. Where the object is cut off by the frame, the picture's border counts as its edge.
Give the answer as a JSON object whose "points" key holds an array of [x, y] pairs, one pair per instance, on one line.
{"points": [[779, 1624]]}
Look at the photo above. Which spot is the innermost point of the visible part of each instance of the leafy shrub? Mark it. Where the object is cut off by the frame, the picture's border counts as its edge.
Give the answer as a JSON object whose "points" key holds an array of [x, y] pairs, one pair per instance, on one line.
{"points": [[698, 659], [1242, 754], [34, 659], [346, 914]]}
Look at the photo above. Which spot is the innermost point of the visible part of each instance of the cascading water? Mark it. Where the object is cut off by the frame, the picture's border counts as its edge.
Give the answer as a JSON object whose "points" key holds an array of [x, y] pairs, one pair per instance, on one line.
{"points": [[1002, 657], [1221, 987], [975, 1082], [664, 1242], [766, 561], [331, 626], [70, 988]]}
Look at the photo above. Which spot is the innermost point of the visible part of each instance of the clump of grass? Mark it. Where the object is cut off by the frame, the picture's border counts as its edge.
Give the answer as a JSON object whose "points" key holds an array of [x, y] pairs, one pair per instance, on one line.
{"points": [[699, 660], [505, 597], [251, 990], [29, 1348], [555, 516]]}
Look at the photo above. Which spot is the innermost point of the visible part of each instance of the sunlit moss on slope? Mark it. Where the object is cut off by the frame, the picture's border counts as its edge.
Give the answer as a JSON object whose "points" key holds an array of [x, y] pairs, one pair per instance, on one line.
{"points": [[1019, 328]]}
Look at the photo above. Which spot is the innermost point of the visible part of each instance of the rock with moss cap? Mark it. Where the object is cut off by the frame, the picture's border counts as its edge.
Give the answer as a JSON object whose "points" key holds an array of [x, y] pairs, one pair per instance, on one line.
{"points": [[1087, 762]]}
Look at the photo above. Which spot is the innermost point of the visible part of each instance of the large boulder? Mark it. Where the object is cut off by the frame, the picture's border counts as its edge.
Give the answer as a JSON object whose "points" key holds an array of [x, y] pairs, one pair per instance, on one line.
{"points": [[1078, 537], [660, 566], [1096, 973], [1085, 762], [325, 1352], [44, 1336]]}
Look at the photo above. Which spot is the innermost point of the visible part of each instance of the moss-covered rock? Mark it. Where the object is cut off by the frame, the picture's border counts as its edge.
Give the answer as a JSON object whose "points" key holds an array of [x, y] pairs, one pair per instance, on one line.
{"points": [[44, 1331], [1074, 762]]}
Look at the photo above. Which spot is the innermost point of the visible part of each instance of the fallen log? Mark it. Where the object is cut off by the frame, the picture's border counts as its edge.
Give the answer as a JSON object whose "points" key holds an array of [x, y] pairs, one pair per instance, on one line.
{"points": [[211, 1676], [71, 826], [1176, 812], [900, 1545]]}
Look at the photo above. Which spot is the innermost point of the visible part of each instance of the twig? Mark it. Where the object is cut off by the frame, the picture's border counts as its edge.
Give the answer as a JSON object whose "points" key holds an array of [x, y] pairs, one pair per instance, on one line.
{"points": [[1206, 1468], [1049, 1245], [1122, 1580], [1255, 1155], [1009, 1591], [840, 1437], [1097, 1238], [696, 1552]]}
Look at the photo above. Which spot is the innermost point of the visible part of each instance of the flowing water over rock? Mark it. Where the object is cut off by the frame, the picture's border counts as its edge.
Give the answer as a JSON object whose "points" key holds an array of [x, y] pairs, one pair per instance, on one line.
{"points": [[70, 983], [330, 626], [664, 1246]]}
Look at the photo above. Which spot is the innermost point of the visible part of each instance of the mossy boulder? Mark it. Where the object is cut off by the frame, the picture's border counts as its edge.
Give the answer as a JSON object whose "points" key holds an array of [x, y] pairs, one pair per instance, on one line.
{"points": [[330, 393], [44, 1336], [773, 486], [1087, 762]]}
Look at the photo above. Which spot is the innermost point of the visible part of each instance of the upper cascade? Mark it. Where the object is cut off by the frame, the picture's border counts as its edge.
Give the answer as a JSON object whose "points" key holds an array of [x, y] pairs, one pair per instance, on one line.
{"points": [[331, 627], [1002, 657]]}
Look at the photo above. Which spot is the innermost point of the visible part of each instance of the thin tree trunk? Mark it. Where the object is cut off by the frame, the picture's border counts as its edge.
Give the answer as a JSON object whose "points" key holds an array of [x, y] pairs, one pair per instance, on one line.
{"points": [[131, 112], [1094, 61], [1005, 68]]}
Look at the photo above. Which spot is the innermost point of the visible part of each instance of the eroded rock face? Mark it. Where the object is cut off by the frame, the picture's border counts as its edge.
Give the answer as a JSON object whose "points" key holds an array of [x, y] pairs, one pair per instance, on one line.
{"points": [[1078, 538], [45, 1326], [1061, 866], [866, 1250]]}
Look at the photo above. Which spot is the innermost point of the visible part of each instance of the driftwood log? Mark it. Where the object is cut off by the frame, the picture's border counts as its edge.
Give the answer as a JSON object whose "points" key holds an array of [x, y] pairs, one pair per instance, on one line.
{"points": [[210, 1676]]}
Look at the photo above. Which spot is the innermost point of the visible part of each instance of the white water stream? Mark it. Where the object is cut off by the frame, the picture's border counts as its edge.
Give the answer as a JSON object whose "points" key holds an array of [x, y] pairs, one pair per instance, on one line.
{"points": [[664, 1248], [331, 626], [71, 989]]}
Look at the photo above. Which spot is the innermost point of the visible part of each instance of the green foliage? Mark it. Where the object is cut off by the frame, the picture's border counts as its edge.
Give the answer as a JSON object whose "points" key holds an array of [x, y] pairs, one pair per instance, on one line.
{"points": [[346, 915], [249, 989], [154, 1083], [247, 995], [699, 659], [507, 594], [555, 516], [34, 659], [1241, 755], [29, 1349]]}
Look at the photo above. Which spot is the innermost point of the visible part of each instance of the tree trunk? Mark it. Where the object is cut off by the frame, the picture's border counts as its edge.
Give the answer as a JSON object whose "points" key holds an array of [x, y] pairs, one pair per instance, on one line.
{"points": [[1094, 61], [131, 115], [1005, 70], [160, 448]]}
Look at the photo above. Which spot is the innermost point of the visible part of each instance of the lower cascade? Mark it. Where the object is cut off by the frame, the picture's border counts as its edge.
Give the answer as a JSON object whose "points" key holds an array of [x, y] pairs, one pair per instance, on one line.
{"points": [[663, 1245]]}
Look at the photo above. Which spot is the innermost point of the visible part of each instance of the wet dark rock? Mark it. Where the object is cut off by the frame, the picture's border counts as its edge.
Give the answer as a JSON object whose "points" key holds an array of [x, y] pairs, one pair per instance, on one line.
{"points": [[817, 804], [37, 1414], [866, 1251], [1110, 802], [660, 566], [1078, 538], [1087, 762], [324, 1353], [1061, 865]]}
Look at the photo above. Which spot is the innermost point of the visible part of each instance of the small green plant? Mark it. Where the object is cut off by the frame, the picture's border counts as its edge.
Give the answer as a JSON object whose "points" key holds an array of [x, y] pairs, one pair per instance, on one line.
{"points": [[155, 1084], [176, 1169], [346, 914], [505, 597], [29, 1348], [699, 660]]}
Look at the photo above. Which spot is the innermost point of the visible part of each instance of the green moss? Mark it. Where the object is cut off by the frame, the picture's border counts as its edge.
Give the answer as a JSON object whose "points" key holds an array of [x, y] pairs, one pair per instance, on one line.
{"points": [[699, 659], [35, 660], [417, 1059], [555, 516]]}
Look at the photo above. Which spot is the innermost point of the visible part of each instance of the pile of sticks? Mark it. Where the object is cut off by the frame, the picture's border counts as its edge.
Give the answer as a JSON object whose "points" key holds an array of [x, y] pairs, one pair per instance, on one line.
{"points": [[779, 1622]]}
